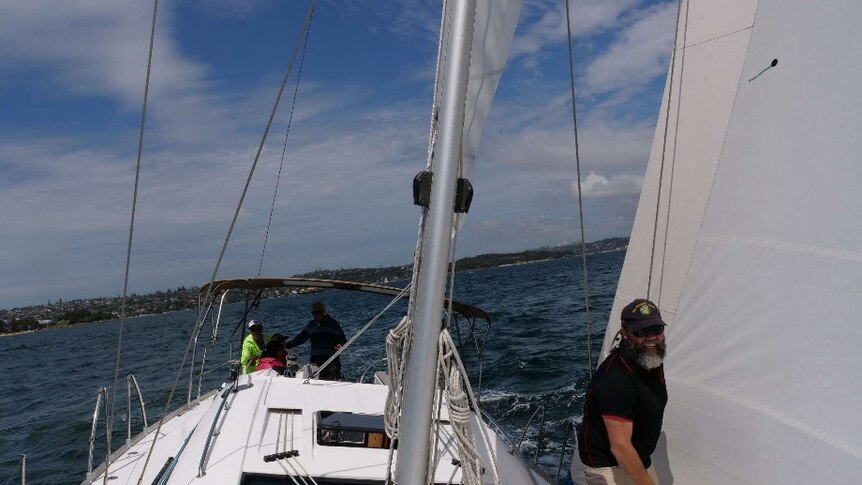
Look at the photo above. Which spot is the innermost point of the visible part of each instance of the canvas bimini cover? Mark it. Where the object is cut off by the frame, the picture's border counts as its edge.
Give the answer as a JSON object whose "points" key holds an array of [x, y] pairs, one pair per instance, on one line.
{"points": [[469, 312]]}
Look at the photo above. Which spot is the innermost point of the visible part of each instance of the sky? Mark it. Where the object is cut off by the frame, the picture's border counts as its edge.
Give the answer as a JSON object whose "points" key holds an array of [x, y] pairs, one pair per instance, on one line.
{"points": [[71, 89]]}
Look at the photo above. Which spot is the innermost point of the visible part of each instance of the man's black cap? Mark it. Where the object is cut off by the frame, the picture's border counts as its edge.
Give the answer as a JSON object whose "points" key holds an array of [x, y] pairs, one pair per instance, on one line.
{"points": [[640, 314]]}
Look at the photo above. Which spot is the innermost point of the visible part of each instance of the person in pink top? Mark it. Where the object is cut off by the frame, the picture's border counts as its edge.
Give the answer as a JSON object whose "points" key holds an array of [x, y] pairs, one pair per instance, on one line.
{"points": [[274, 356]]}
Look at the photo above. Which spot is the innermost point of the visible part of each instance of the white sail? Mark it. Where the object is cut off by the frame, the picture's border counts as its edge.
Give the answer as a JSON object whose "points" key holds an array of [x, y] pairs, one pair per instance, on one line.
{"points": [[711, 44], [494, 29], [492, 38], [761, 278]]}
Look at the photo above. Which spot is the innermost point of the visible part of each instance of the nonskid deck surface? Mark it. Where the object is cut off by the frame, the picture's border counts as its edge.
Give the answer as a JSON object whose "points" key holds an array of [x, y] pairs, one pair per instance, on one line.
{"points": [[269, 427]]}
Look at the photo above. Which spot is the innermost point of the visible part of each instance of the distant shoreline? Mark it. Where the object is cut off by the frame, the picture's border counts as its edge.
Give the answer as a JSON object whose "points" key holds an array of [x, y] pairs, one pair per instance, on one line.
{"points": [[22, 332], [82, 324], [102, 305]]}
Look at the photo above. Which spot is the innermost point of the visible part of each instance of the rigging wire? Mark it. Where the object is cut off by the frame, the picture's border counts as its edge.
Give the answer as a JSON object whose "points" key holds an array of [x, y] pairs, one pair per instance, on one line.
{"points": [[673, 153], [284, 147], [580, 197], [208, 295], [110, 415], [664, 147], [359, 333]]}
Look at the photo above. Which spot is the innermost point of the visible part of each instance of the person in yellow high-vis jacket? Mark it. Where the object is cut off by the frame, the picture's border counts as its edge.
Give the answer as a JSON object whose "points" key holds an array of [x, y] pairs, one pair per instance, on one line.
{"points": [[252, 347]]}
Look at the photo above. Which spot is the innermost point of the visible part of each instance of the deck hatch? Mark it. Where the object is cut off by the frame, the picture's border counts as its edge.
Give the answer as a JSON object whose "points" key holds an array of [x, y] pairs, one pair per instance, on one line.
{"points": [[349, 429]]}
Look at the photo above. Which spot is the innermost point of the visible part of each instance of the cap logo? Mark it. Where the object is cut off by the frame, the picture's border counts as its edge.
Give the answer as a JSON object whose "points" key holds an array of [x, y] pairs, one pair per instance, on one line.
{"points": [[644, 308]]}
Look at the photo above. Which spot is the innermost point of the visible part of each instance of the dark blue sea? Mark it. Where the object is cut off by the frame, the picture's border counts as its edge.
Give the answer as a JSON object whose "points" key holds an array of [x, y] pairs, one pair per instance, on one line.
{"points": [[536, 355]]}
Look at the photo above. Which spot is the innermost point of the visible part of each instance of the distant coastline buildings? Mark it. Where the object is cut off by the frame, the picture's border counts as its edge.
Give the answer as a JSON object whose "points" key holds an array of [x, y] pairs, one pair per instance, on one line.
{"points": [[64, 313]]}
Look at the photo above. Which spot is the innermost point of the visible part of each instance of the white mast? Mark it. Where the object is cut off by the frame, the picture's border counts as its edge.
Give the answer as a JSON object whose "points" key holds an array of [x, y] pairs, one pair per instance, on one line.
{"points": [[414, 436]]}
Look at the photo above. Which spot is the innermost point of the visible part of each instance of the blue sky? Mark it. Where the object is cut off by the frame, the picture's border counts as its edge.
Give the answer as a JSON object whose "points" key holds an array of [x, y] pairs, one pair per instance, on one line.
{"points": [[71, 85]]}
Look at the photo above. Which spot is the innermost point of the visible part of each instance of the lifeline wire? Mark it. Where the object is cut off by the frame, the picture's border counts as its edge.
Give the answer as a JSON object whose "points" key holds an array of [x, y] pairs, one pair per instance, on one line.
{"points": [[109, 423], [580, 200]]}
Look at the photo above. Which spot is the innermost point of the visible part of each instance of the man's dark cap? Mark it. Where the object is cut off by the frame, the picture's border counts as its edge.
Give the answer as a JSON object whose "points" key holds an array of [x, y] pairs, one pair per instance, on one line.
{"points": [[317, 307], [640, 314]]}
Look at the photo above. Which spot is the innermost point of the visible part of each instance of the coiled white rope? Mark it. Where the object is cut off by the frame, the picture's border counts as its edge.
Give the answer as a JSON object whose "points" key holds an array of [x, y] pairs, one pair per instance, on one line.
{"points": [[394, 364], [452, 366], [459, 416]]}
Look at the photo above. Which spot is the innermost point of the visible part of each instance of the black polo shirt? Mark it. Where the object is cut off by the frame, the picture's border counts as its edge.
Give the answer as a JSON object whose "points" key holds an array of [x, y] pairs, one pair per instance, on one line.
{"points": [[626, 391]]}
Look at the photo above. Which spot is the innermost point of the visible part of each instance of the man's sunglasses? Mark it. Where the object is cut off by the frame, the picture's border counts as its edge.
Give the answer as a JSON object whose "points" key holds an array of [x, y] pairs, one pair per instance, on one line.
{"points": [[651, 331], [317, 312]]}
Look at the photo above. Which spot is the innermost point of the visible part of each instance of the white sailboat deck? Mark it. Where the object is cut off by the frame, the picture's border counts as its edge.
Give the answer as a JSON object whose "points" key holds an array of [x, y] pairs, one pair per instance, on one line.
{"points": [[269, 414]]}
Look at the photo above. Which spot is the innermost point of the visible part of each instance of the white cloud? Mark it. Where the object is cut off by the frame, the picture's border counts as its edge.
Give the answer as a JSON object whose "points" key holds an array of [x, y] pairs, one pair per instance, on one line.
{"points": [[587, 18], [95, 47], [344, 196], [597, 186], [639, 54]]}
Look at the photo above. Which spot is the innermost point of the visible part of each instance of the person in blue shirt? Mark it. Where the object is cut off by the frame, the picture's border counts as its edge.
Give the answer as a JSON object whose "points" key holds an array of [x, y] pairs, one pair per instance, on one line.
{"points": [[326, 338]]}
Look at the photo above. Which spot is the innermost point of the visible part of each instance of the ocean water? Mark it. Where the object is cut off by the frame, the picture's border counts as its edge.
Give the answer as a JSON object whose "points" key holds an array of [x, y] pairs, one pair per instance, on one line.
{"points": [[536, 355]]}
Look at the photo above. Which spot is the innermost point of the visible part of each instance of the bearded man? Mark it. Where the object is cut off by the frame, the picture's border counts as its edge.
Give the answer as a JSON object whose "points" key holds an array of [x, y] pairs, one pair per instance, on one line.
{"points": [[624, 404]]}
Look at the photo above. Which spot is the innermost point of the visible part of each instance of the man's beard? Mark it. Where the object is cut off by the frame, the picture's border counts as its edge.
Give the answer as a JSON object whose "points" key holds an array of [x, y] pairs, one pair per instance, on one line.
{"points": [[638, 353]]}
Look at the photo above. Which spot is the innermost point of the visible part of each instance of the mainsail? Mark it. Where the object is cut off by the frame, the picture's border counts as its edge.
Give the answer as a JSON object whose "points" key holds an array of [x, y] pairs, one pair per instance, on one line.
{"points": [[493, 31], [755, 251]]}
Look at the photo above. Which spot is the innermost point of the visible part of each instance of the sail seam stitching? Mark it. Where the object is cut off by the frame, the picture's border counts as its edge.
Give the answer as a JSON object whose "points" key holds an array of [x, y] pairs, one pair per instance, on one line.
{"points": [[700, 235], [785, 419], [788, 246], [720, 36]]}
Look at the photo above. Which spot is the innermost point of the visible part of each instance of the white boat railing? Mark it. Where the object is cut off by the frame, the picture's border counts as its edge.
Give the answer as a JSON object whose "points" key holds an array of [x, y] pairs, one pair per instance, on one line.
{"points": [[369, 367], [201, 374], [131, 379], [526, 428], [513, 450], [101, 398], [102, 403], [23, 469], [571, 426]]}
